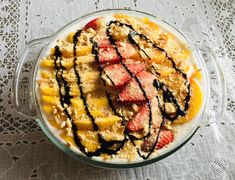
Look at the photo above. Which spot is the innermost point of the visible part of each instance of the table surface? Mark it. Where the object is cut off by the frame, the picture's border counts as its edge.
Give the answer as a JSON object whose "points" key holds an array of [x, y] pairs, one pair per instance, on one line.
{"points": [[26, 153]]}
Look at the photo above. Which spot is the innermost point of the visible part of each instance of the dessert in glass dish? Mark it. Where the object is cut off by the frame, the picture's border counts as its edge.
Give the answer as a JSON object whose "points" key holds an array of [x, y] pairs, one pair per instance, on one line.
{"points": [[120, 88]]}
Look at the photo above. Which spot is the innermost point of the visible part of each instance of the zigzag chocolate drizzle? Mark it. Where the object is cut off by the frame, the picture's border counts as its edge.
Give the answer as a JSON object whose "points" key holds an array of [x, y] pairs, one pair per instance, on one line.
{"points": [[105, 145], [65, 99], [113, 42], [108, 146], [167, 94]]}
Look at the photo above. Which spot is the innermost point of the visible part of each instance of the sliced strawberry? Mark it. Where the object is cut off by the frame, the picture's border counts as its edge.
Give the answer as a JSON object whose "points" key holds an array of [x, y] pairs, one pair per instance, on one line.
{"points": [[102, 40], [127, 50], [108, 55], [137, 123], [165, 137], [118, 75], [94, 24], [146, 79], [131, 93], [134, 66]]}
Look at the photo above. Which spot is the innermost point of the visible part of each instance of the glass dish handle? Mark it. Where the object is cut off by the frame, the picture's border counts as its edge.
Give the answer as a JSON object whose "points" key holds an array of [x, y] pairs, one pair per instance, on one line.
{"points": [[216, 102], [23, 76]]}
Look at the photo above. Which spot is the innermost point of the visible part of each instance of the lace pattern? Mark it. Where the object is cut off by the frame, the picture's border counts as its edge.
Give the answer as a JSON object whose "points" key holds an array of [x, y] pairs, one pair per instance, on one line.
{"points": [[26, 153]]}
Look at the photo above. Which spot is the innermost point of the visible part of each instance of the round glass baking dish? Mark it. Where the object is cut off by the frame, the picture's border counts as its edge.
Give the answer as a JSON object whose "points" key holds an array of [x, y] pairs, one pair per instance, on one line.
{"points": [[27, 100]]}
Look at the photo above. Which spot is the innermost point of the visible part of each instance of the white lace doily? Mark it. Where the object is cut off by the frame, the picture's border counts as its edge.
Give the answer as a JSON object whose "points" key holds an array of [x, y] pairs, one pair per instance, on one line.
{"points": [[26, 153]]}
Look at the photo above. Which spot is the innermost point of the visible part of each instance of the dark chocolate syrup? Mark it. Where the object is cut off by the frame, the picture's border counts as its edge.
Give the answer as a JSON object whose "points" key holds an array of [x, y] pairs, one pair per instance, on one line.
{"points": [[61, 82], [167, 95], [105, 145], [108, 146], [113, 42], [95, 52], [131, 39], [187, 84], [131, 137], [82, 96]]}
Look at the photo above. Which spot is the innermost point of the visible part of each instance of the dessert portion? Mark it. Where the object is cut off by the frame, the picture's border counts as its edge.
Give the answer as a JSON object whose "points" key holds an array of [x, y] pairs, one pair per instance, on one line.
{"points": [[117, 88]]}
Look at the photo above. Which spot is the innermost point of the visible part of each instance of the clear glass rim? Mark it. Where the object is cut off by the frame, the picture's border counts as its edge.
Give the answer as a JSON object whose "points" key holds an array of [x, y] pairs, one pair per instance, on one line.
{"points": [[91, 161]]}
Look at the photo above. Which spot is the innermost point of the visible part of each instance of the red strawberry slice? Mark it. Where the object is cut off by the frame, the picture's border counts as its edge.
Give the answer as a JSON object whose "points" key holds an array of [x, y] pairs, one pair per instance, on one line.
{"points": [[165, 137], [146, 79], [108, 55], [102, 40], [94, 24], [118, 75], [132, 93], [134, 66], [142, 116], [127, 50]]}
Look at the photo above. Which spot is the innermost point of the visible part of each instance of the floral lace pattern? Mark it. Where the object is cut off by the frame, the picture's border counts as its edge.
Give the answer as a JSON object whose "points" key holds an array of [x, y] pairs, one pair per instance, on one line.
{"points": [[26, 153]]}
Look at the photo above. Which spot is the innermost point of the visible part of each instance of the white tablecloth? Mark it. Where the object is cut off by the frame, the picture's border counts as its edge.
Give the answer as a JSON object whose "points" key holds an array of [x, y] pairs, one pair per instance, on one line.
{"points": [[26, 153]]}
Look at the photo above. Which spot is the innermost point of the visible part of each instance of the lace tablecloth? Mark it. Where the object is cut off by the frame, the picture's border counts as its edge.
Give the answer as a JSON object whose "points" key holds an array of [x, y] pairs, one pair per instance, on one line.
{"points": [[26, 153]]}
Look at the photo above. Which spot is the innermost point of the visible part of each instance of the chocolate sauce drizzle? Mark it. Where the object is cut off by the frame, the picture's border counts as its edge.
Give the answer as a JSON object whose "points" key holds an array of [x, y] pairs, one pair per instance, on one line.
{"points": [[113, 42], [131, 137], [168, 97], [62, 83], [131, 39], [109, 147], [95, 52], [112, 147], [187, 84], [105, 145], [82, 96], [167, 94], [65, 99]]}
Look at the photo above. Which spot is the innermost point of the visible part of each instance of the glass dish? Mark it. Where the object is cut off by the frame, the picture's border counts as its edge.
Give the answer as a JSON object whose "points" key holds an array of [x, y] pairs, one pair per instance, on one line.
{"points": [[27, 104]]}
